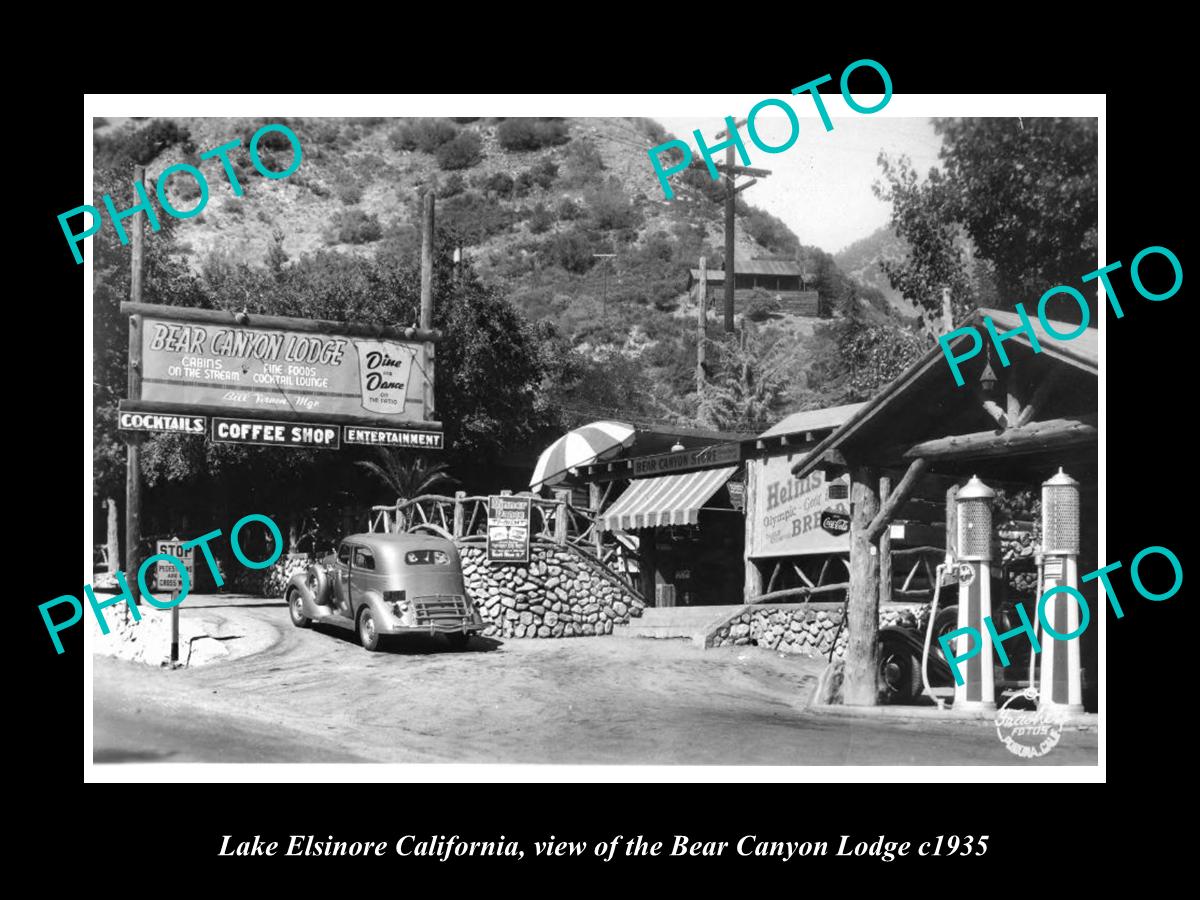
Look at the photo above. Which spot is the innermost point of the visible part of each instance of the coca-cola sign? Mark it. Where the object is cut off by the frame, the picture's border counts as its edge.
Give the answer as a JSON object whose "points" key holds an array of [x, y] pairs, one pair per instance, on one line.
{"points": [[836, 523]]}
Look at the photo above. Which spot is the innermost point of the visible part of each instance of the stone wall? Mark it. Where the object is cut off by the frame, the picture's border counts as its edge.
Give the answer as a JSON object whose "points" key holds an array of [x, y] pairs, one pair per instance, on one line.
{"points": [[804, 629], [559, 594]]}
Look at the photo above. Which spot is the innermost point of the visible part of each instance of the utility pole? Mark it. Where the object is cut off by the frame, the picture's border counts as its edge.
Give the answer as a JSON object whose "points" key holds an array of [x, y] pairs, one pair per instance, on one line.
{"points": [[701, 325], [133, 470], [731, 169], [606, 257], [426, 322]]}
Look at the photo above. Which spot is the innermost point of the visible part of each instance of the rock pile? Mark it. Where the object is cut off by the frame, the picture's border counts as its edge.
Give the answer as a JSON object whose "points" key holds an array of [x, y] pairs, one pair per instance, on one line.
{"points": [[559, 594], [806, 630]]}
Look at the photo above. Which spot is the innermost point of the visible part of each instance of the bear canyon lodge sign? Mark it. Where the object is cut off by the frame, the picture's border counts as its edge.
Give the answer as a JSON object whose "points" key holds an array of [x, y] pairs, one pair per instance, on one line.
{"points": [[329, 382]]}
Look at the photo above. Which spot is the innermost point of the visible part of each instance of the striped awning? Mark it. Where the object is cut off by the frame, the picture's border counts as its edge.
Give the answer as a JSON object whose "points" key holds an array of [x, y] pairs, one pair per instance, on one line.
{"points": [[666, 500]]}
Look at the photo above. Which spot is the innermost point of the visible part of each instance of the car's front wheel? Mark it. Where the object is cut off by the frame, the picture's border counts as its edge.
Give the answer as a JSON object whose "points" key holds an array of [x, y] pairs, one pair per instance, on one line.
{"points": [[296, 610], [368, 630], [899, 672]]}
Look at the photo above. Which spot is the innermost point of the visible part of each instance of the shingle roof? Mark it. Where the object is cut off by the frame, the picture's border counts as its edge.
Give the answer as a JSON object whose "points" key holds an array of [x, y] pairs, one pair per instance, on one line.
{"points": [[1082, 353], [813, 420]]}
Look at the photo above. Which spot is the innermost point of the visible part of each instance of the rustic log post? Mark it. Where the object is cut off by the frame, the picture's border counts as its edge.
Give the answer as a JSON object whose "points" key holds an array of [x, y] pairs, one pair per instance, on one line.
{"points": [[752, 585], [113, 540], [595, 501], [862, 613], [562, 500], [647, 560], [885, 545], [459, 513]]}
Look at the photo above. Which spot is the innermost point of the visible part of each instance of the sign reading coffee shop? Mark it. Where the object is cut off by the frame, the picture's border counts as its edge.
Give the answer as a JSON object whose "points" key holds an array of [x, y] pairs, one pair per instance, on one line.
{"points": [[211, 362], [508, 527], [798, 515]]}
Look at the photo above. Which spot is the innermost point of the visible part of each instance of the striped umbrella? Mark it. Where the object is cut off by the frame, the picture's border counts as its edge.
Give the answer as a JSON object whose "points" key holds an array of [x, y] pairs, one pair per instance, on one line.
{"points": [[580, 447]]}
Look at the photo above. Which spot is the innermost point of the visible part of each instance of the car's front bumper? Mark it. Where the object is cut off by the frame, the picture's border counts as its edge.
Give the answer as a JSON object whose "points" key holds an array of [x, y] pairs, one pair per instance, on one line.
{"points": [[467, 626]]}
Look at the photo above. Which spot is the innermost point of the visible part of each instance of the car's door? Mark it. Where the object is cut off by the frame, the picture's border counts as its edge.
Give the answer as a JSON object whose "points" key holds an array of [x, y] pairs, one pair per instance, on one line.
{"points": [[362, 573], [341, 577]]}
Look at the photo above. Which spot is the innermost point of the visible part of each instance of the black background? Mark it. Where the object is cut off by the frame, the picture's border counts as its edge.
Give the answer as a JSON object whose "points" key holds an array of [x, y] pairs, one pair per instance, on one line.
{"points": [[1148, 433]]}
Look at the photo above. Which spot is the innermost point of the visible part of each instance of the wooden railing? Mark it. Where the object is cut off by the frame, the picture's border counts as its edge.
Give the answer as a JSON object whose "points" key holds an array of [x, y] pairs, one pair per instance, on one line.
{"points": [[925, 559], [464, 519]]}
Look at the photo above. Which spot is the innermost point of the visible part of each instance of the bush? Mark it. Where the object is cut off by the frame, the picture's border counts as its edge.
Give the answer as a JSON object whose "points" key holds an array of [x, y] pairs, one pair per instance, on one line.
{"points": [[348, 190], [770, 232], [544, 173], [568, 210], [762, 305], [134, 146], [531, 134], [353, 226], [541, 220], [467, 121], [584, 163], [572, 251], [451, 187], [523, 185], [425, 135], [470, 218], [460, 152], [610, 209], [651, 129], [500, 184]]}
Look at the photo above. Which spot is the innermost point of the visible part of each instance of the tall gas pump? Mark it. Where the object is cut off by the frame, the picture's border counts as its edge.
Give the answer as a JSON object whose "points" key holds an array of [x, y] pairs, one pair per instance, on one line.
{"points": [[975, 594], [1060, 683]]}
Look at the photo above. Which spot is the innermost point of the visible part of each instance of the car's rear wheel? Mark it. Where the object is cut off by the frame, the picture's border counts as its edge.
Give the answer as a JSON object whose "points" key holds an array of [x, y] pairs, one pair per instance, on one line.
{"points": [[368, 630], [458, 640], [296, 610]]}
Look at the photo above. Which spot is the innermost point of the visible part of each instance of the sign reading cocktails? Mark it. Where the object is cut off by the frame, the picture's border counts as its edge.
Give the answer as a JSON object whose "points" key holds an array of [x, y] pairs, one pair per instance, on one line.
{"points": [[297, 370]]}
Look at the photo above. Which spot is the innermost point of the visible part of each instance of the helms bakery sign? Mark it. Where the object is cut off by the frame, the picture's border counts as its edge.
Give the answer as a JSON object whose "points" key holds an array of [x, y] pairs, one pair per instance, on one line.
{"points": [[293, 370]]}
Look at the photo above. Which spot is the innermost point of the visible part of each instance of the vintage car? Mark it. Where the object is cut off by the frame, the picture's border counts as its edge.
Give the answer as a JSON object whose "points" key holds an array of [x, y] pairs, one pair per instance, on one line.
{"points": [[387, 584]]}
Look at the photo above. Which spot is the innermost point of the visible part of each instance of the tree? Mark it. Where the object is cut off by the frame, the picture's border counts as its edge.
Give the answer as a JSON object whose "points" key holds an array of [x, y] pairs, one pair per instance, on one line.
{"points": [[747, 389], [854, 359], [406, 478], [1027, 194], [1023, 191], [923, 217]]}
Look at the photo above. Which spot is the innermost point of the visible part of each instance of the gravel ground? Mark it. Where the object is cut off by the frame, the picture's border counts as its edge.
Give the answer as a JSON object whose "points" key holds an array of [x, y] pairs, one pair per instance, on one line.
{"points": [[315, 696]]}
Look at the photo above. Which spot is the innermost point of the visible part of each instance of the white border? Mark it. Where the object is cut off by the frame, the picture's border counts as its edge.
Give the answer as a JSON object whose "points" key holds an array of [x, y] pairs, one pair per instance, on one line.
{"points": [[649, 105]]}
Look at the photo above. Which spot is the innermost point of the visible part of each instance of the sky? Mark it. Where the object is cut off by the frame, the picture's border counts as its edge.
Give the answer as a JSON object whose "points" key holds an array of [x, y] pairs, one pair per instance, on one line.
{"points": [[821, 185]]}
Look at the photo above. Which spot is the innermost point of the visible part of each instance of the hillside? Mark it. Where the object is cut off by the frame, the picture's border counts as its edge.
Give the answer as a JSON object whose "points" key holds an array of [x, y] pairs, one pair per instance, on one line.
{"points": [[861, 259], [530, 202]]}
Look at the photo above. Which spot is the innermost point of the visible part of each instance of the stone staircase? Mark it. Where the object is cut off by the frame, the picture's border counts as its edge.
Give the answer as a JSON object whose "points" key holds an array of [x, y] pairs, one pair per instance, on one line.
{"points": [[692, 623]]}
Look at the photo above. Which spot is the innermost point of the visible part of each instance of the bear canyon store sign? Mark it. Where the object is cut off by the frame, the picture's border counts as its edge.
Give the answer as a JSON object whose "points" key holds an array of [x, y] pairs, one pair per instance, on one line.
{"points": [[279, 382]]}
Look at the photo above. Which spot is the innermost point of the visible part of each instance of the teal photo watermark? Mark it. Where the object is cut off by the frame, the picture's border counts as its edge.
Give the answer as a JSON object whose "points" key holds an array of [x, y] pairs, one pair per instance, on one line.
{"points": [[946, 341], [684, 150], [126, 596], [974, 640], [183, 170]]}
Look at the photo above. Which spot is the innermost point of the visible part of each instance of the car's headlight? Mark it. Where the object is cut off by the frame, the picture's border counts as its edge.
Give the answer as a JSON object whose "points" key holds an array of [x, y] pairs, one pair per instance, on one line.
{"points": [[397, 600], [311, 578]]}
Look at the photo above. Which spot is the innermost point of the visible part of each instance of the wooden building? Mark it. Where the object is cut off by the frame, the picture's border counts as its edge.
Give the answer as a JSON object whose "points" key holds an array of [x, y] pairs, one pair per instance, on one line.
{"points": [[1013, 427], [781, 278]]}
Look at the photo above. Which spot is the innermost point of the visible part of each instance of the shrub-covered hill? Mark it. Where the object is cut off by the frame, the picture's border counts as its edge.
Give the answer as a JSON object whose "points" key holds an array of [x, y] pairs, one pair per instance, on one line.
{"points": [[533, 203]]}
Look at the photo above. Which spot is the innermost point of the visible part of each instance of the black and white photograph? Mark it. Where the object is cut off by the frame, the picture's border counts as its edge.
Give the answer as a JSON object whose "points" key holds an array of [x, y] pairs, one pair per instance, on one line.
{"points": [[657, 440]]}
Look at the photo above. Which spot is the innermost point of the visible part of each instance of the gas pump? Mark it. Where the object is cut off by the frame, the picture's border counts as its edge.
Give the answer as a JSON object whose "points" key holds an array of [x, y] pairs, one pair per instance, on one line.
{"points": [[1060, 684], [975, 593]]}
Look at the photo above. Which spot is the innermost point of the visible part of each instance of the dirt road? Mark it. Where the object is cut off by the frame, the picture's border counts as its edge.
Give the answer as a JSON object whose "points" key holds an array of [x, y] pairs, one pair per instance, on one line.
{"points": [[315, 696]]}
